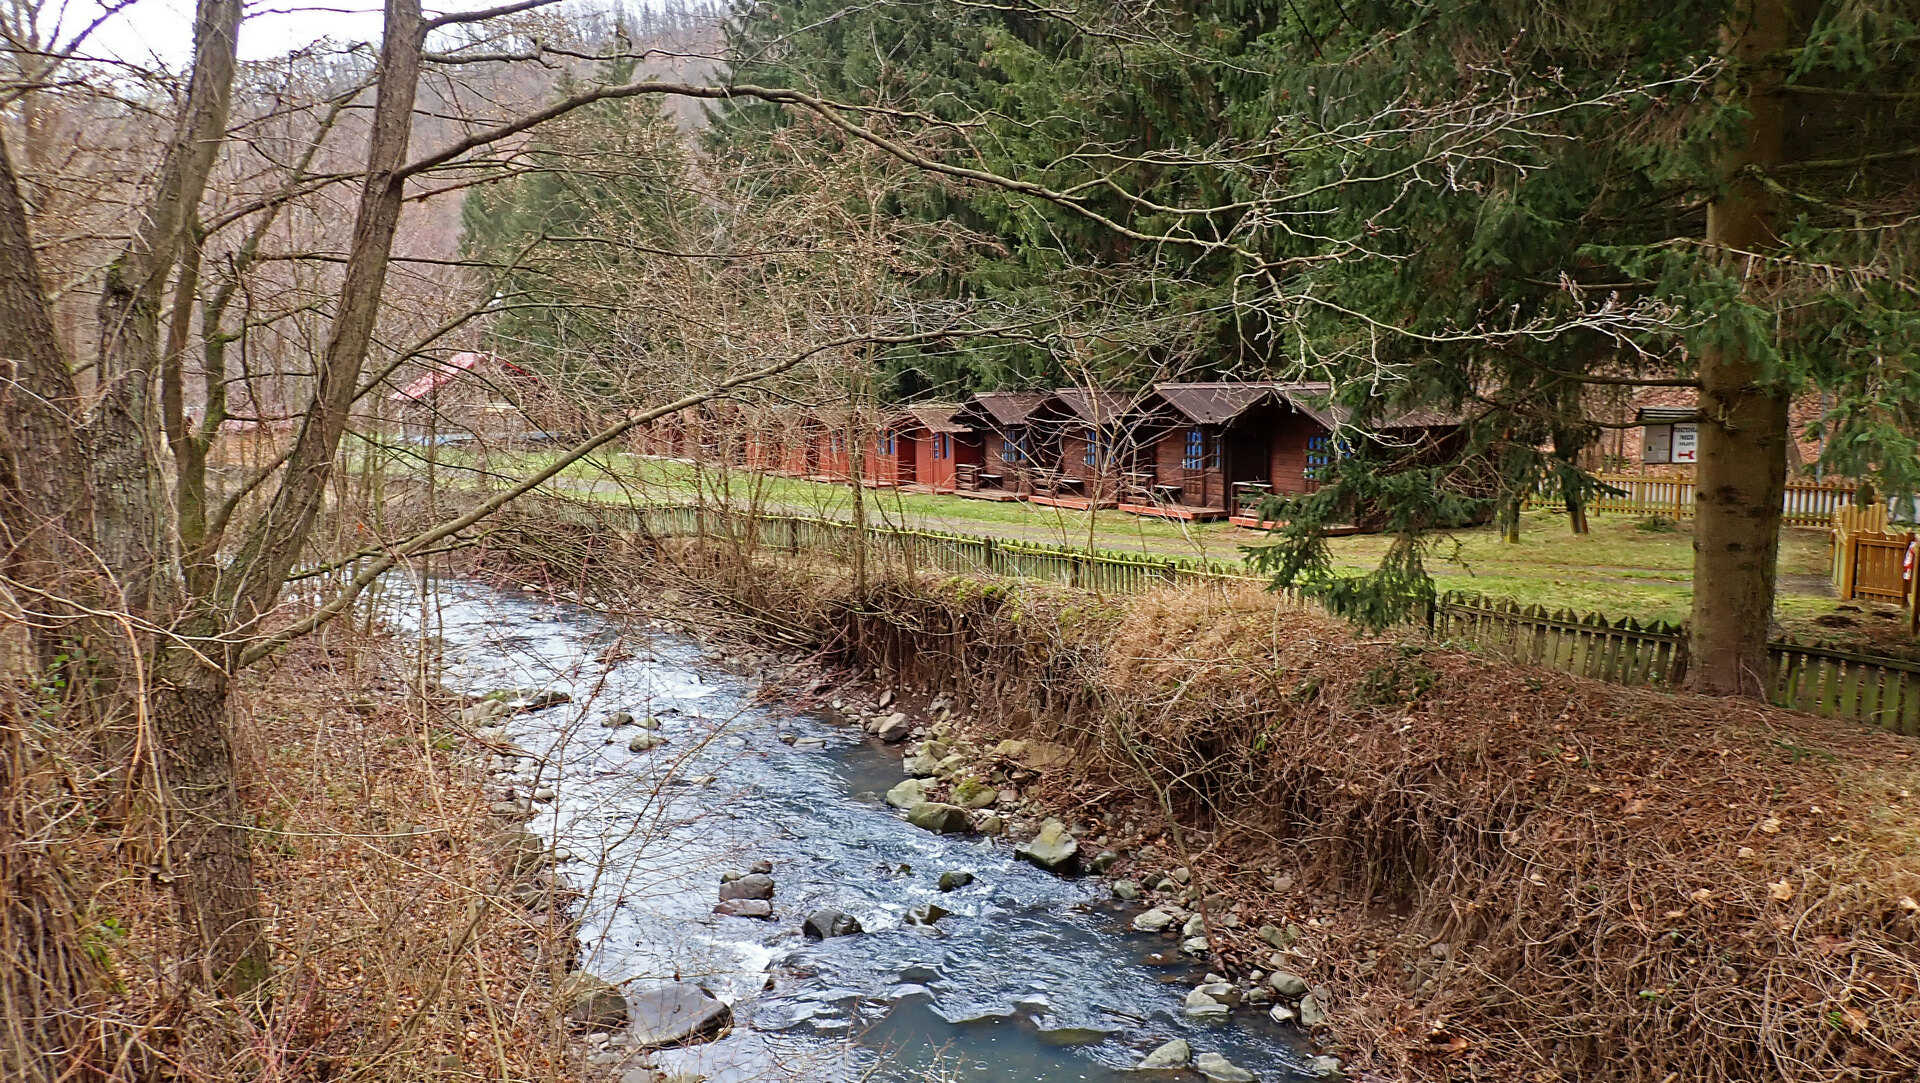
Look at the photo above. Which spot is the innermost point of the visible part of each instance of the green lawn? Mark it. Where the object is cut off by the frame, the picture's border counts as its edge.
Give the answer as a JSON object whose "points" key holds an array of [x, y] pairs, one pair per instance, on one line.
{"points": [[1619, 569]]}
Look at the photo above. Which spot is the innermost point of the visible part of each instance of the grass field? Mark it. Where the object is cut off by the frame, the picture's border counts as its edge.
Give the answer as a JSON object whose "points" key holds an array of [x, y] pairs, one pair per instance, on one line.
{"points": [[1624, 567]]}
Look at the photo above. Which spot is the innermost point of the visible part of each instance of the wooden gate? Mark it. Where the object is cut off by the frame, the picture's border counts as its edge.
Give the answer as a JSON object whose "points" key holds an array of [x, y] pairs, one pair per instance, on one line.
{"points": [[1874, 566]]}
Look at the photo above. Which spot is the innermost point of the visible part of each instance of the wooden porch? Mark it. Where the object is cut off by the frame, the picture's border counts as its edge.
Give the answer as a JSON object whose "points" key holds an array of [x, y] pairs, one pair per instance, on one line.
{"points": [[1181, 512], [1076, 503]]}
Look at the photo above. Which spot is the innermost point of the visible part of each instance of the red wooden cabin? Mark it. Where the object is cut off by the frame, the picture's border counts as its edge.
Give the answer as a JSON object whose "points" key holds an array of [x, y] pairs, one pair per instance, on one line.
{"points": [[1209, 448], [929, 447], [1013, 448], [1095, 445]]}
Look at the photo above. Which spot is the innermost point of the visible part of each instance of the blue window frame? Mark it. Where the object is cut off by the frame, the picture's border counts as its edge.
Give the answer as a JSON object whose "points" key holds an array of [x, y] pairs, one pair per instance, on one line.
{"points": [[886, 444], [940, 446], [1093, 451], [1013, 449], [1319, 457], [1196, 456]]}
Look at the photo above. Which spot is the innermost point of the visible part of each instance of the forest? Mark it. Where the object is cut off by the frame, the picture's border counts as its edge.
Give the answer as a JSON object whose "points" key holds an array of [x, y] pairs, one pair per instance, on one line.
{"points": [[301, 342]]}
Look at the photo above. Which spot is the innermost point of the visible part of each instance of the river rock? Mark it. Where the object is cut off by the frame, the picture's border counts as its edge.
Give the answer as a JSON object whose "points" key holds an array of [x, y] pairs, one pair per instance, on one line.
{"points": [[1102, 861], [526, 701], [1215, 1067], [1126, 890], [1175, 1054], [920, 765], [907, 794], [762, 866], [927, 914], [1311, 1013], [1195, 926], [1326, 1067], [971, 793], [1052, 849], [617, 719], [1153, 921], [643, 741], [954, 881], [1195, 945], [894, 728], [1288, 984], [676, 1014], [1202, 1006], [745, 908], [825, 924], [1280, 1013], [939, 817], [593, 1003], [755, 885], [990, 823], [483, 712]]}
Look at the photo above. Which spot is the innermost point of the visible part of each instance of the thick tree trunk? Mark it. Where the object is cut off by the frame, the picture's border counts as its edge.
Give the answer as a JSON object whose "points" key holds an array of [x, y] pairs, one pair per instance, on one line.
{"points": [[1743, 434], [209, 848]]}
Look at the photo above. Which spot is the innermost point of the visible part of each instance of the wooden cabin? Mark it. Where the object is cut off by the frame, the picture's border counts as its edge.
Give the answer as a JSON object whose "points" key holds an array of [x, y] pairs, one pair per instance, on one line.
{"points": [[833, 432], [1013, 448], [1208, 449], [903, 452], [469, 398], [1095, 442], [929, 447]]}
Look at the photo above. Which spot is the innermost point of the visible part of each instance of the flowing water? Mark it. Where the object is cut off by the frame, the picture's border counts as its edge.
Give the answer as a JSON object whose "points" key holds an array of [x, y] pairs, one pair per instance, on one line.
{"points": [[1032, 977]]}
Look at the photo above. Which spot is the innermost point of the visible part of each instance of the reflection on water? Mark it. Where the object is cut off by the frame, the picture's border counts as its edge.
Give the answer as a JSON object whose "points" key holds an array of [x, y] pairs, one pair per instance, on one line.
{"points": [[1031, 977]]}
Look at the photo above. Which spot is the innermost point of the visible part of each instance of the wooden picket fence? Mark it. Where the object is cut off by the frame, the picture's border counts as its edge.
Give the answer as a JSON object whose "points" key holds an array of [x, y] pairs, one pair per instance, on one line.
{"points": [[1803, 503], [1815, 678], [1818, 679]]}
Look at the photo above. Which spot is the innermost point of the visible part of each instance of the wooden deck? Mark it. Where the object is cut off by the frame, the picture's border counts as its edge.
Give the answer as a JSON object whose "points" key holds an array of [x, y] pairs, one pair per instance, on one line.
{"points": [[1181, 512], [997, 496], [1335, 530], [1076, 503]]}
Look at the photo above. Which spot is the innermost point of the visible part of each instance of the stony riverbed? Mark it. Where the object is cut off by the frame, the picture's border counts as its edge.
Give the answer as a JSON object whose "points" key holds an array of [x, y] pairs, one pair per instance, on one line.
{"points": [[671, 789]]}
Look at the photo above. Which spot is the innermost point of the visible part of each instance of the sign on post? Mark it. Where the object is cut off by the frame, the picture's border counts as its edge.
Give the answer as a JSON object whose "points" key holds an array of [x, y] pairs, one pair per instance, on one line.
{"points": [[1686, 443]]}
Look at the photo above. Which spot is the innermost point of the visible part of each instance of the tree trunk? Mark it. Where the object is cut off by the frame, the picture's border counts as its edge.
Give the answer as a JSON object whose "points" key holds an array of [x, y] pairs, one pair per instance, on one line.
{"points": [[1742, 471], [209, 847]]}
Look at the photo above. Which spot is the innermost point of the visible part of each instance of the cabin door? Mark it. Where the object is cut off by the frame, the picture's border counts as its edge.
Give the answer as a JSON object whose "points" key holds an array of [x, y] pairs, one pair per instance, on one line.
{"points": [[907, 454], [1198, 454]]}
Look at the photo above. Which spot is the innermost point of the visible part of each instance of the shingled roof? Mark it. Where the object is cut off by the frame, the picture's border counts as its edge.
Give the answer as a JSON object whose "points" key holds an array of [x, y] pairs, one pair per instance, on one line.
{"points": [[1004, 407], [1220, 403], [935, 417], [1095, 407]]}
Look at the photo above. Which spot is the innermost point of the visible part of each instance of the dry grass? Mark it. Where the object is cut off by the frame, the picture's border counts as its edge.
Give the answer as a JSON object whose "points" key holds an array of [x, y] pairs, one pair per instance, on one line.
{"points": [[395, 957], [1514, 873]]}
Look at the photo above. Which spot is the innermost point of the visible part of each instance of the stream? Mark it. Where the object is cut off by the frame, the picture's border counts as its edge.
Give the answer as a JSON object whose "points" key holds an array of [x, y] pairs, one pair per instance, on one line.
{"points": [[1031, 977]]}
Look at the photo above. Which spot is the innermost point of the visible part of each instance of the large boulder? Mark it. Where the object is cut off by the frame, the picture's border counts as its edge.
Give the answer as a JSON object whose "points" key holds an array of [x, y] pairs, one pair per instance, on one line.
{"points": [[1311, 1013], [825, 924], [1215, 1067], [745, 908], [908, 793], [927, 914], [676, 1014], [920, 765], [1153, 921], [938, 817], [645, 740], [1052, 849], [894, 728], [593, 1003], [756, 885], [971, 793], [954, 881], [1173, 1055], [1288, 984]]}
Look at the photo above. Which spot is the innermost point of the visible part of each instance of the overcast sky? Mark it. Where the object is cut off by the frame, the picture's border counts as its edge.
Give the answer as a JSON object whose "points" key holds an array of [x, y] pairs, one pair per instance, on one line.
{"points": [[163, 29]]}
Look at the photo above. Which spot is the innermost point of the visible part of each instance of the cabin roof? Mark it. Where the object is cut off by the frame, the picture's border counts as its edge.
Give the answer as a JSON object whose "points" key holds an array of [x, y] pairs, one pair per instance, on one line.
{"points": [[935, 417], [441, 373], [1003, 407], [1219, 403], [1093, 406]]}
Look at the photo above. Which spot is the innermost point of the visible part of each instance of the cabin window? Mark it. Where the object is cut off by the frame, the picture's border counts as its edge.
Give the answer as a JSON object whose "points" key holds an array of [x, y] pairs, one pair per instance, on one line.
{"points": [[886, 444], [1013, 449], [1319, 457], [1093, 451], [940, 446], [1196, 456]]}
